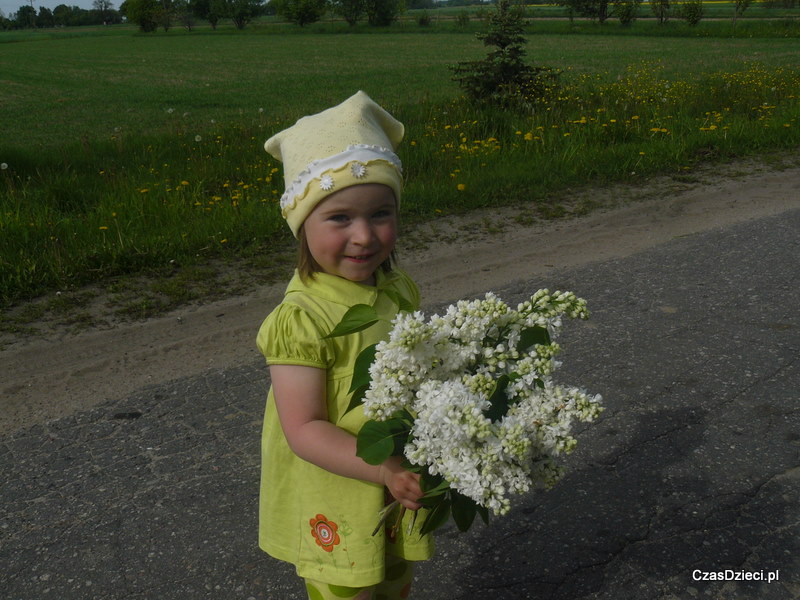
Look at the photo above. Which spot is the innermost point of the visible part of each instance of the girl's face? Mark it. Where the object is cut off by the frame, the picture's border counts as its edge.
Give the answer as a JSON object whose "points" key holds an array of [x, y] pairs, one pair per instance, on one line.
{"points": [[353, 231]]}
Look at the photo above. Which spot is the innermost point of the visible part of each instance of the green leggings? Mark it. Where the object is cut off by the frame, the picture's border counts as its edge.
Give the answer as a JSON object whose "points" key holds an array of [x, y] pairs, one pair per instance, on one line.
{"points": [[396, 586]]}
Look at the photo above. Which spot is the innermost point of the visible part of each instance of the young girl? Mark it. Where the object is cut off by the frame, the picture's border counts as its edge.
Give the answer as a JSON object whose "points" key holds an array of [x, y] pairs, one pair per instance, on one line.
{"points": [[319, 502]]}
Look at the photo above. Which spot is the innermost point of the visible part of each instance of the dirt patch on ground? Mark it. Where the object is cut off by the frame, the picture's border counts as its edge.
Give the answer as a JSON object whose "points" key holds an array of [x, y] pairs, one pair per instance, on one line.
{"points": [[53, 375]]}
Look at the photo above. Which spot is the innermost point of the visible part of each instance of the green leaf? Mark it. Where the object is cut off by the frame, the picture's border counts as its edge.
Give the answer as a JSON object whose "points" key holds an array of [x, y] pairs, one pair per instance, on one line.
{"points": [[437, 516], [483, 512], [357, 317], [429, 482], [532, 336], [378, 440], [356, 398], [361, 367], [464, 510], [402, 302], [498, 400], [437, 490]]}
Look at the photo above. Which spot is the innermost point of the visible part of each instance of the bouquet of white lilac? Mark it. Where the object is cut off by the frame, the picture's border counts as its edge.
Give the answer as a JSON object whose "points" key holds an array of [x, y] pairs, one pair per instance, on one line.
{"points": [[468, 398]]}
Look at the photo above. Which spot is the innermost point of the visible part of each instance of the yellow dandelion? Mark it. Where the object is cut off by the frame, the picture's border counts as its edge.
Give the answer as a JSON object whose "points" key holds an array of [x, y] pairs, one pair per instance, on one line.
{"points": [[103, 228], [461, 187]]}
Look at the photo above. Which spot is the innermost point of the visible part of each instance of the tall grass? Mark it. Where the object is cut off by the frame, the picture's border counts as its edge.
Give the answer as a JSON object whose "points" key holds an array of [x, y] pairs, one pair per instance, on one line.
{"points": [[124, 154]]}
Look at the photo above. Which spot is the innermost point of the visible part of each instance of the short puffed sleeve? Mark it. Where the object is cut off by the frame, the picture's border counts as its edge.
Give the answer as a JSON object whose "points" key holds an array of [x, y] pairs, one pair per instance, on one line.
{"points": [[289, 336]]}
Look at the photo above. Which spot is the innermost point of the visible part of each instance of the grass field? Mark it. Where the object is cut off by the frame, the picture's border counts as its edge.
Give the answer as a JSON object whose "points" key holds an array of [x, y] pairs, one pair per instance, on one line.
{"points": [[127, 153]]}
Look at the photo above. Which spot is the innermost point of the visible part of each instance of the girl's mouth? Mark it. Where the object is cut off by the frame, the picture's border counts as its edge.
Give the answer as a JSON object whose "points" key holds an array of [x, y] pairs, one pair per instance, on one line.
{"points": [[360, 258]]}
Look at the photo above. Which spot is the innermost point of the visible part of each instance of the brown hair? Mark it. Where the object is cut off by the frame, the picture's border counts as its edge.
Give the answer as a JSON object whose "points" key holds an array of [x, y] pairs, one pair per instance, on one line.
{"points": [[307, 267]]}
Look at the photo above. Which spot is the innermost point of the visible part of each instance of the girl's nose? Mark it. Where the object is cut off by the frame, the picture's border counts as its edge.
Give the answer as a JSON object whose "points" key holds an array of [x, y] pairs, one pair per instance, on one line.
{"points": [[362, 233]]}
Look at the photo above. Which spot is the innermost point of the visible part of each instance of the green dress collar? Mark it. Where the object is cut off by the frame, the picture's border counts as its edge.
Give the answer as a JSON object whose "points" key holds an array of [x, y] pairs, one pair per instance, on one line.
{"points": [[340, 290]]}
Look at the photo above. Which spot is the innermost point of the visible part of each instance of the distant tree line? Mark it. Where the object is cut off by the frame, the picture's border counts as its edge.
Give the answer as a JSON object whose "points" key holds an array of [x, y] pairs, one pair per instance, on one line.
{"points": [[27, 17], [150, 15]]}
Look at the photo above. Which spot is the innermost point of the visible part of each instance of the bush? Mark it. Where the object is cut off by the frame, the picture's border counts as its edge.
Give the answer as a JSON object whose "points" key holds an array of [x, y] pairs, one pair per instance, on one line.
{"points": [[382, 13], [503, 77], [351, 11], [691, 11], [423, 19], [145, 13], [626, 11], [301, 12]]}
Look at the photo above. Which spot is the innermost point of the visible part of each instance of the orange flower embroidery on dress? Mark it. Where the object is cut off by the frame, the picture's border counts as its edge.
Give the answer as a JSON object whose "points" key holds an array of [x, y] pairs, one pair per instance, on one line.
{"points": [[324, 532]]}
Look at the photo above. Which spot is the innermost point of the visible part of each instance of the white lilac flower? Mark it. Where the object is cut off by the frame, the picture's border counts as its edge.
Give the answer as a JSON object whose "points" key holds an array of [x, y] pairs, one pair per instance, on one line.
{"points": [[444, 371]]}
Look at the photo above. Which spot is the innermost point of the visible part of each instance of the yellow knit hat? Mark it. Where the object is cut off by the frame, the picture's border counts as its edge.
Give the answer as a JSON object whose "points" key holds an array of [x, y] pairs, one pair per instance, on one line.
{"points": [[349, 144]]}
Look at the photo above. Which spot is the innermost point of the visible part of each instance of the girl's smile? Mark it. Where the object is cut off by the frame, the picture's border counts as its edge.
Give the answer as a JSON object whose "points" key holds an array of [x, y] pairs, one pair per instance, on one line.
{"points": [[353, 231]]}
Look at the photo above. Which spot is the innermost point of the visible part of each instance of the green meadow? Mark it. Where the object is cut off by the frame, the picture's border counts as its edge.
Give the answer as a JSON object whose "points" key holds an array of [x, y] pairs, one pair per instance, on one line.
{"points": [[126, 154]]}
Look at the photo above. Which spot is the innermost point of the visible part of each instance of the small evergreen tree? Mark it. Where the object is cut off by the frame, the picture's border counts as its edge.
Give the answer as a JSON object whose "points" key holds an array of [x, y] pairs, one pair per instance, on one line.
{"points": [[503, 77]]}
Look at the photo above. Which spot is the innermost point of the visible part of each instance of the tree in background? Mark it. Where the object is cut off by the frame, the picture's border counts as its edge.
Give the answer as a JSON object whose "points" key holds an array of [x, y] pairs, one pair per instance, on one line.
{"points": [[382, 13], [301, 12], [104, 8], [62, 15], [45, 17], [691, 11], [351, 11], [594, 9], [503, 77], [242, 12], [739, 6], [660, 9], [626, 11], [209, 10], [145, 13], [26, 17], [165, 14]]}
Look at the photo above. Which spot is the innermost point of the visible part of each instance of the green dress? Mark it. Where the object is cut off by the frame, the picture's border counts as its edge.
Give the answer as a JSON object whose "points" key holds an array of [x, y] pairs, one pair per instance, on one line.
{"points": [[321, 522]]}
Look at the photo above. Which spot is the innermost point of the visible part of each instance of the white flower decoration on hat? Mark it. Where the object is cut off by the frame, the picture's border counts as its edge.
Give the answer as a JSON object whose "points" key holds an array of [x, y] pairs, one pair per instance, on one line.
{"points": [[358, 170], [326, 183]]}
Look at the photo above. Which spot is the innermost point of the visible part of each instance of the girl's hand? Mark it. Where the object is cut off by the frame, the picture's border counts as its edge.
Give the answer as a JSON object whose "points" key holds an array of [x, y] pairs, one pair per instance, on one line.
{"points": [[402, 484]]}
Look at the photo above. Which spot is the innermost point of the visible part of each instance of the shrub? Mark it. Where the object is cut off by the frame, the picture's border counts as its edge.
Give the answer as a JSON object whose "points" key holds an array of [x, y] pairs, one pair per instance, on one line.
{"points": [[691, 11], [382, 13], [503, 77], [626, 11], [145, 13], [423, 19], [351, 11], [301, 12]]}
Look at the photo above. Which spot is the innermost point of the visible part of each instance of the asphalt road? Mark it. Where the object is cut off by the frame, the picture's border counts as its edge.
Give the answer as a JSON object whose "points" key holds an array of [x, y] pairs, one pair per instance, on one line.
{"points": [[692, 472]]}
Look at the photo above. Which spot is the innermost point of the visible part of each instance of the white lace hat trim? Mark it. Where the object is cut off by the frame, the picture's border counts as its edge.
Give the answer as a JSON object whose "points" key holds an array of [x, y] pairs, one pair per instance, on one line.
{"points": [[359, 153]]}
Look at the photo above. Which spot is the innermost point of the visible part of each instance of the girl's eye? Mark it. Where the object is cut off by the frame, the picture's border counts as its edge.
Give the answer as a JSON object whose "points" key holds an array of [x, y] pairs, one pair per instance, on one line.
{"points": [[382, 214], [338, 218]]}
